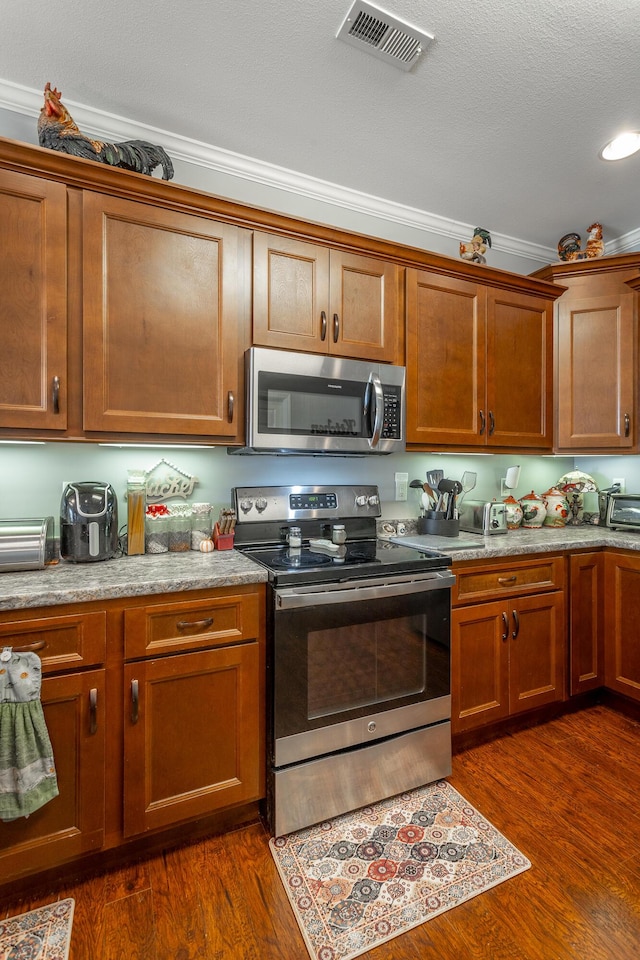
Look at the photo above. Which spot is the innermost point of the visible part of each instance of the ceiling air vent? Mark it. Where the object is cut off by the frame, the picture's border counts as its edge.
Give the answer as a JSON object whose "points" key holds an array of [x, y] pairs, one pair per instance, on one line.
{"points": [[379, 33]]}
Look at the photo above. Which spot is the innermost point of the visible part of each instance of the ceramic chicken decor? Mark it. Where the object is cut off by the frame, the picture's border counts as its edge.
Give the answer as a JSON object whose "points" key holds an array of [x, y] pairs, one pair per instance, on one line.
{"points": [[477, 247], [57, 131], [569, 245]]}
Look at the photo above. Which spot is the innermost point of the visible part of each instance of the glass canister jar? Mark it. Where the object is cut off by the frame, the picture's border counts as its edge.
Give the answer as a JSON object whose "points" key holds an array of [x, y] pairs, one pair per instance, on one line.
{"points": [[156, 534], [201, 525], [179, 528]]}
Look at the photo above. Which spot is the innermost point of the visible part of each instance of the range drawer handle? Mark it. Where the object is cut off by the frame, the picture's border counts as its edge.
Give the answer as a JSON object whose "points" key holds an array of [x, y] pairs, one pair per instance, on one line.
{"points": [[511, 579], [93, 710], [194, 624], [135, 701]]}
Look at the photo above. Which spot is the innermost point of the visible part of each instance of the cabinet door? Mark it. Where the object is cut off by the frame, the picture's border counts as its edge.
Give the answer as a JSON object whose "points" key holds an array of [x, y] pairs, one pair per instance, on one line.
{"points": [[290, 294], [445, 360], [622, 615], [33, 302], [595, 372], [586, 622], [162, 306], [194, 736], [519, 370], [536, 651], [479, 665], [364, 309], [73, 822]]}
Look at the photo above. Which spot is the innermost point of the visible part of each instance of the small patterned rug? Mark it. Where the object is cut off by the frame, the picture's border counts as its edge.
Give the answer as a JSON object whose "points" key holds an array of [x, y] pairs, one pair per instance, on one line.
{"points": [[42, 934], [363, 878]]}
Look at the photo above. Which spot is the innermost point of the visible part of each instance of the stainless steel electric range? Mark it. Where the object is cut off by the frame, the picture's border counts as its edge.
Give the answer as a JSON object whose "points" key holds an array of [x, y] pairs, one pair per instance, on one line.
{"points": [[358, 652]]}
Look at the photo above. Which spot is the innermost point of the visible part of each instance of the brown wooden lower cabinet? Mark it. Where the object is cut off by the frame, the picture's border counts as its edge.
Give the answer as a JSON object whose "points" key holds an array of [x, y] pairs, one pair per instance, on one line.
{"points": [[622, 616], [72, 823], [147, 743], [586, 619], [190, 740]]}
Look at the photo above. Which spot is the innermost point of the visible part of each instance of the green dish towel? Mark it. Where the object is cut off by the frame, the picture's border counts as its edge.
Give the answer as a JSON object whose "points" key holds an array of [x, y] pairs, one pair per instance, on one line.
{"points": [[27, 770]]}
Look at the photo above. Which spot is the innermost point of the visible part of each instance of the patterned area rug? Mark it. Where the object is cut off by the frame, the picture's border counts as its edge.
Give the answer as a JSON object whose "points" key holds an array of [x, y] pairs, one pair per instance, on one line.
{"points": [[368, 876], [42, 934]]}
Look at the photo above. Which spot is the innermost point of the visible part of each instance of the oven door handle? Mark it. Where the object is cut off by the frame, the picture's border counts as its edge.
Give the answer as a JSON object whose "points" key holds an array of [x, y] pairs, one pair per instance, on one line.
{"points": [[321, 595]]}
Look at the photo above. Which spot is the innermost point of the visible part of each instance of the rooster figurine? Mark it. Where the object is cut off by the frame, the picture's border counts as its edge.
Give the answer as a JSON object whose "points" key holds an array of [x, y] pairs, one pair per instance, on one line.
{"points": [[476, 249], [57, 131], [569, 245]]}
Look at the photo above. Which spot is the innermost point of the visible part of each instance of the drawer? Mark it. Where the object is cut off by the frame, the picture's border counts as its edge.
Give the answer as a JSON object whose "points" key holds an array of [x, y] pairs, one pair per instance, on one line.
{"points": [[491, 581], [188, 625], [60, 642]]}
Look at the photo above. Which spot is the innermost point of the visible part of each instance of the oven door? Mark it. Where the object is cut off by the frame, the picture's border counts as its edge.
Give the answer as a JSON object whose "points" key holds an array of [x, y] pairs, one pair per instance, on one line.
{"points": [[358, 662]]}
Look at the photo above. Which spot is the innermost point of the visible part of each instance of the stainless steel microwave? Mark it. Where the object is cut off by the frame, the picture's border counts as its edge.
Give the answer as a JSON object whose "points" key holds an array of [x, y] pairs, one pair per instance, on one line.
{"points": [[313, 404]]}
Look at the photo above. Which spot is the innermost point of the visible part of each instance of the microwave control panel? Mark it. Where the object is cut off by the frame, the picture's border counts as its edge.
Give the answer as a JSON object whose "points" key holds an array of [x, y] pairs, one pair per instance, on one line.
{"points": [[392, 413]]}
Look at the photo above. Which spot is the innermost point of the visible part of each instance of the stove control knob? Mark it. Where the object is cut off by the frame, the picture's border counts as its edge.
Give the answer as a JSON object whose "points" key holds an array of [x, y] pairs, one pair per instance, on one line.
{"points": [[371, 726], [374, 500], [245, 505], [261, 504], [362, 501]]}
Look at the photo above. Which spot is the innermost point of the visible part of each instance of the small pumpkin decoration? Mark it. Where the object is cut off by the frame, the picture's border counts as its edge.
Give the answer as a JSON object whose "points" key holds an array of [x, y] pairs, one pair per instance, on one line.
{"points": [[206, 546]]}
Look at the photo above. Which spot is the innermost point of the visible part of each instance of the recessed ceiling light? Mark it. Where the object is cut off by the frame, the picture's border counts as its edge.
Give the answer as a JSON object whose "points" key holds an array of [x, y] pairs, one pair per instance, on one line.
{"points": [[622, 146]]}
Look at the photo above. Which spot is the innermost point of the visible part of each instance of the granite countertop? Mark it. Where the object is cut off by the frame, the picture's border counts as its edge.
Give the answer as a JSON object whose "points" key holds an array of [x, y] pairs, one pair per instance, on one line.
{"points": [[520, 542], [127, 577], [176, 572]]}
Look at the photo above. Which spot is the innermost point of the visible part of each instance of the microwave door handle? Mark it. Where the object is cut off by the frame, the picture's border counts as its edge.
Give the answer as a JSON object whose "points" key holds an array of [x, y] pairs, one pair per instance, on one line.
{"points": [[378, 406]]}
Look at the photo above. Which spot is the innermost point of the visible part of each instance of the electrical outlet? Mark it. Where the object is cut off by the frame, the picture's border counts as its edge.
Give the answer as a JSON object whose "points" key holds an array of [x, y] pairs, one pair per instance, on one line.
{"points": [[621, 481], [402, 485]]}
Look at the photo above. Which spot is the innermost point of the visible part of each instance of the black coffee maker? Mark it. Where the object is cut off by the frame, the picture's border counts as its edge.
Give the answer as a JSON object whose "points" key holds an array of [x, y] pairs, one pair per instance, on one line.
{"points": [[88, 522]]}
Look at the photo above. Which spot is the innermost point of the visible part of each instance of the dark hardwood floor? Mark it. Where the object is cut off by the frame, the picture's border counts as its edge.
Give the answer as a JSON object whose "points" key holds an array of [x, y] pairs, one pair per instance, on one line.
{"points": [[566, 793]]}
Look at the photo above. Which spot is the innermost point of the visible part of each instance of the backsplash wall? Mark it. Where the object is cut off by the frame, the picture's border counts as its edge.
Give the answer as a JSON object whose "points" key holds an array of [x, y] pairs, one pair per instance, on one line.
{"points": [[32, 475]]}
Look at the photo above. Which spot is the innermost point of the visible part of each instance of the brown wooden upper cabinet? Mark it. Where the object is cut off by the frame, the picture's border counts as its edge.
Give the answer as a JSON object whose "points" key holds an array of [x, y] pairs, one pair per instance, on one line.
{"points": [[596, 353], [33, 302], [310, 298], [162, 293], [479, 364]]}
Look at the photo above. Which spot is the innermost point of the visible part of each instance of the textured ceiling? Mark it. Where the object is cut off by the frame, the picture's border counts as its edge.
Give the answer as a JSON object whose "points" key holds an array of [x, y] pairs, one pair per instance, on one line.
{"points": [[498, 125]]}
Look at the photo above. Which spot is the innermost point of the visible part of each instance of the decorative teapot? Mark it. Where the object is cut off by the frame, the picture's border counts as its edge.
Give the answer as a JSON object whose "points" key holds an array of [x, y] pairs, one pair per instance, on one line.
{"points": [[557, 508], [514, 512], [533, 511]]}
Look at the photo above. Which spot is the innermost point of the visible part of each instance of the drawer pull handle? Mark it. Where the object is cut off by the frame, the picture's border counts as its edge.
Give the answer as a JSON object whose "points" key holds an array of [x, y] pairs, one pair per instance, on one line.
{"points": [[511, 579], [135, 704], [93, 710], [506, 626], [31, 647], [323, 326], [516, 622], [194, 624]]}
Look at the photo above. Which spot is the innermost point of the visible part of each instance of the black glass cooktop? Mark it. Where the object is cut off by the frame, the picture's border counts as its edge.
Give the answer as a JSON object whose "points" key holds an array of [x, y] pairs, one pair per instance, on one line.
{"points": [[353, 560]]}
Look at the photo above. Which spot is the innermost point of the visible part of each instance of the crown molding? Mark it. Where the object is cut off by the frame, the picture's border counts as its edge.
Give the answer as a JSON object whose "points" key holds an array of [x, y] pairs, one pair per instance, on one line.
{"points": [[108, 126]]}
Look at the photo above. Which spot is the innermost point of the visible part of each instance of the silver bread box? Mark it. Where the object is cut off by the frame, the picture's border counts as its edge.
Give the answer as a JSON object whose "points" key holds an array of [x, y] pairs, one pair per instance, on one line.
{"points": [[27, 544], [480, 516], [623, 511]]}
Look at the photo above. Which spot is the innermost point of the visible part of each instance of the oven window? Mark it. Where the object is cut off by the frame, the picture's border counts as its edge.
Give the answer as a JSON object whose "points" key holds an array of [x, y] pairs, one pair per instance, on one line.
{"points": [[340, 662]]}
